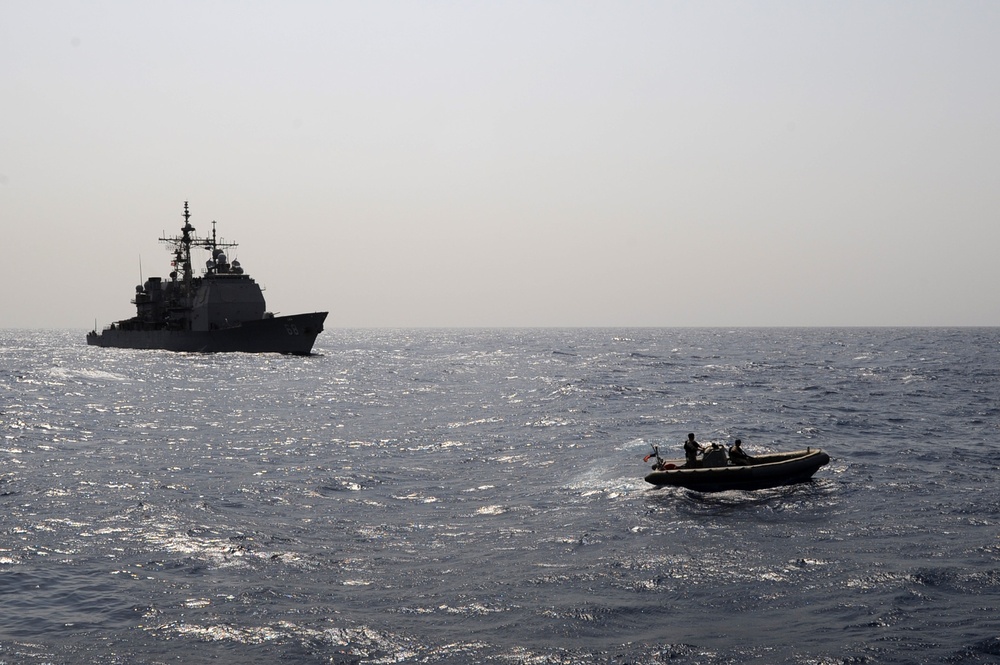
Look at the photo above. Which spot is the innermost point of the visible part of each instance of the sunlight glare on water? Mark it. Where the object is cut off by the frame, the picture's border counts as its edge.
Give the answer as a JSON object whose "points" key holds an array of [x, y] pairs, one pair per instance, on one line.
{"points": [[457, 496]]}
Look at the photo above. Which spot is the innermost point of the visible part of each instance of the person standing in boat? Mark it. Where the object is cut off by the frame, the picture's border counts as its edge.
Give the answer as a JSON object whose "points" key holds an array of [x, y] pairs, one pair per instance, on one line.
{"points": [[691, 450], [737, 456]]}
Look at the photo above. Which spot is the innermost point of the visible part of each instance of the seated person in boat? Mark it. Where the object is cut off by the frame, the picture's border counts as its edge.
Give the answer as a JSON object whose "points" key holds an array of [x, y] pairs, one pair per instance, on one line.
{"points": [[691, 450], [737, 456]]}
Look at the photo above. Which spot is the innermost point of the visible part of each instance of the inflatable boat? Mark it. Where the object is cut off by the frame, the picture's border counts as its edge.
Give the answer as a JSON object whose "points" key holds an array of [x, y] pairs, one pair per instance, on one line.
{"points": [[716, 473]]}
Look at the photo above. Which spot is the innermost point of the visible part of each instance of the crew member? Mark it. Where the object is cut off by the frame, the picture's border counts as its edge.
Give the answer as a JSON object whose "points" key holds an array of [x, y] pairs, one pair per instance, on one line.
{"points": [[691, 450], [737, 456]]}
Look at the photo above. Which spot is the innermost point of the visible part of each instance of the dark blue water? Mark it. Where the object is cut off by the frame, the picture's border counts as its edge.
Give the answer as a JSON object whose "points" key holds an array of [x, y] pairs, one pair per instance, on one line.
{"points": [[476, 496]]}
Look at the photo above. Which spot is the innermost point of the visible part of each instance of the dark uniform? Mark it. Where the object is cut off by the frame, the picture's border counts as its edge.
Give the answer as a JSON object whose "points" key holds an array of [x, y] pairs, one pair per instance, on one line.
{"points": [[691, 450], [737, 456]]}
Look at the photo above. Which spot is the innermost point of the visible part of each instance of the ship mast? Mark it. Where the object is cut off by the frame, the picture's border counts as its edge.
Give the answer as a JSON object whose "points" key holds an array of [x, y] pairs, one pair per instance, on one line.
{"points": [[214, 244], [182, 247], [181, 251]]}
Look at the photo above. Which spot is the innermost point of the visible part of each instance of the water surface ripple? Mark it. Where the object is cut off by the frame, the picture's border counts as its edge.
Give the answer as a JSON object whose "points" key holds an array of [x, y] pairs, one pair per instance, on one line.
{"points": [[476, 496]]}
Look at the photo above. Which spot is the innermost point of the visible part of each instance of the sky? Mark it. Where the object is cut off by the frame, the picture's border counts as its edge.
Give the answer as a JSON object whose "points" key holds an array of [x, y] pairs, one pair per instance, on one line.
{"points": [[544, 163]]}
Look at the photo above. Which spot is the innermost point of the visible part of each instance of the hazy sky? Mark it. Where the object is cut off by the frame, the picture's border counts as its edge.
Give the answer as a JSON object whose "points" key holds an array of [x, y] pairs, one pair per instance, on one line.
{"points": [[575, 163]]}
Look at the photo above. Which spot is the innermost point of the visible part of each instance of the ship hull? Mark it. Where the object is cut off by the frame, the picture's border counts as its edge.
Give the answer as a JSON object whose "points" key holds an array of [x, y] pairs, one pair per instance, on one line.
{"points": [[294, 334]]}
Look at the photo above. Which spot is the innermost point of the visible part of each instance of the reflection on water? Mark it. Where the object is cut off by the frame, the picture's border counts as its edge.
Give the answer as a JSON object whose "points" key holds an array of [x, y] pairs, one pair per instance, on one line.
{"points": [[477, 496]]}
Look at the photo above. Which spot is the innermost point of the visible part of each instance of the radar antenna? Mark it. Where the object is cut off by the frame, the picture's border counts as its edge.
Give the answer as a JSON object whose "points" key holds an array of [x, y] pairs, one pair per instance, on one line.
{"points": [[182, 250]]}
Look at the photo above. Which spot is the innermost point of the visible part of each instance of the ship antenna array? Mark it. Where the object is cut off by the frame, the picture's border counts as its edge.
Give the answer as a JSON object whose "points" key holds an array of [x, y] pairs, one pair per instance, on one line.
{"points": [[182, 244], [217, 242]]}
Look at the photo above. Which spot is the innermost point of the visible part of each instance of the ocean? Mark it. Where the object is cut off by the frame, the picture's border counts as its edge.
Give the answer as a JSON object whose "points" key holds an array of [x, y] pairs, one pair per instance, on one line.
{"points": [[477, 496]]}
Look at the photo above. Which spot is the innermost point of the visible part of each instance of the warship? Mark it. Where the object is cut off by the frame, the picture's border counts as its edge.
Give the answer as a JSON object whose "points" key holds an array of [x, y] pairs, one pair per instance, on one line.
{"points": [[221, 310]]}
